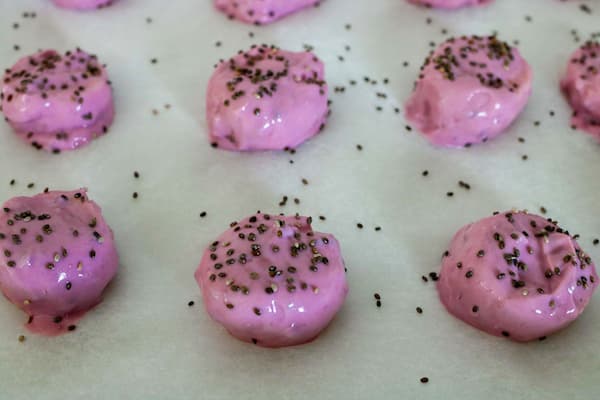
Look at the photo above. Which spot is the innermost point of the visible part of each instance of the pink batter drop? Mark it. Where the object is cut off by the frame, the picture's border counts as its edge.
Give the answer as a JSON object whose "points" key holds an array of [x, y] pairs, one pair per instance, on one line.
{"points": [[57, 102], [266, 99], [449, 4], [516, 275], [581, 87], [261, 12], [470, 90], [272, 280], [83, 4], [58, 255]]}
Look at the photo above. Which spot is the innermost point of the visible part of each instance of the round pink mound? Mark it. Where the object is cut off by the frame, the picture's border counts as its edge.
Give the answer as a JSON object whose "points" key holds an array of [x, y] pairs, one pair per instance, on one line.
{"points": [[470, 90], [581, 87], [272, 280], [266, 99], [449, 4], [83, 4], [57, 102], [261, 12], [58, 256], [516, 275]]}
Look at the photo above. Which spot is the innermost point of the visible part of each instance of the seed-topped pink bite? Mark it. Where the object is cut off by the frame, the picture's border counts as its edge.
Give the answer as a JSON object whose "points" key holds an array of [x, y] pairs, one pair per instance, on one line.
{"points": [[516, 275], [273, 281], [266, 99], [581, 87], [83, 4], [58, 255], [449, 4], [470, 89], [261, 12], [57, 102]]}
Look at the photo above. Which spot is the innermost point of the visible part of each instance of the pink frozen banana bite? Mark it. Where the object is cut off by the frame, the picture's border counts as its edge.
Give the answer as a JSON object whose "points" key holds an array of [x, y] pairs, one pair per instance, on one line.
{"points": [[470, 90], [516, 275], [83, 4], [273, 281], [261, 12], [58, 255], [57, 102], [449, 4], [266, 99], [581, 87]]}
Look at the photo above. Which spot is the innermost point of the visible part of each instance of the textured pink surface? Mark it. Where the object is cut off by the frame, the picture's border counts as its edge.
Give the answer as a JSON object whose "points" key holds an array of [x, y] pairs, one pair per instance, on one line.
{"points": [[58, 256], [57, 102], [83, 4], [272, 280], [261, 11], [449, 4], [581, 87], [266, 99], [469, 90], [516, 275]]}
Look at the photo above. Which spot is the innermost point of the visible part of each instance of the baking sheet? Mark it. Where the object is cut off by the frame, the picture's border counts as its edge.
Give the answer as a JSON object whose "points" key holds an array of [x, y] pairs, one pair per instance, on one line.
{"points": [[144, 342]]}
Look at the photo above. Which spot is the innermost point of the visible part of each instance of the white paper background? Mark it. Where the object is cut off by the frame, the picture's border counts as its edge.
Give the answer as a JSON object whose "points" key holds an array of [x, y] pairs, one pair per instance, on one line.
{"points": [[144, 342]]}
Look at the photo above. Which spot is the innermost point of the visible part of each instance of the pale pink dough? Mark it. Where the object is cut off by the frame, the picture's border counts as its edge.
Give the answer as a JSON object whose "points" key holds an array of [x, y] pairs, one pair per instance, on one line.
{"points": [[449, 4], [58, 255], [581, 87], [266, 99], [57, 102], [516, 275], [261, 12], [272, 280], [83, 4], [470, 90]]}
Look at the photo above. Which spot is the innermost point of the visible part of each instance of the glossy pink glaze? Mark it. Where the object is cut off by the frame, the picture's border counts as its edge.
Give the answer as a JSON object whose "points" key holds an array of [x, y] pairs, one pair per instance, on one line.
{"points": [[552, 282], [266, 99], [259, 297], [581, 87], [83, 4], [449, 4], [456, 103], [57, 268], [58, 102], [261, 12]]}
